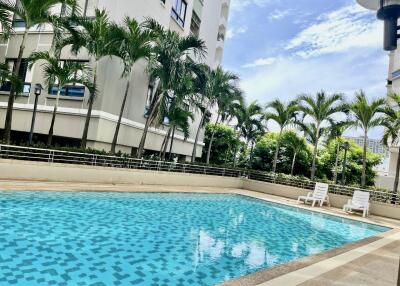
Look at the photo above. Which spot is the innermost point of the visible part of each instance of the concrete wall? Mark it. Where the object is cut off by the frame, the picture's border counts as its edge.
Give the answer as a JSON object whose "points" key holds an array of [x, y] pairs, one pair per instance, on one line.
{"points": [[337, 201], [35, 171]]}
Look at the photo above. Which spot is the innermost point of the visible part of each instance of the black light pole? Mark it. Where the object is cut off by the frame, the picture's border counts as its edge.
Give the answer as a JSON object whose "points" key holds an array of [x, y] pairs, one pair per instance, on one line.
{"points": [[37, 91], [346, 147]]}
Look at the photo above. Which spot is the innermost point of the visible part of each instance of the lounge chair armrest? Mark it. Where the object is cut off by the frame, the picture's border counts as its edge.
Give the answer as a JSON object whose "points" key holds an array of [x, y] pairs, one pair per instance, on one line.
{"points": [[309, 194]]}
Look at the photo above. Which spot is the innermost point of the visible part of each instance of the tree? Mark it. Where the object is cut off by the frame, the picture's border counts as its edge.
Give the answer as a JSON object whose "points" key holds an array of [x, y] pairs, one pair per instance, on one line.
{"points": [[95, 38], [56, 73], [178, 113], [250, 124], [216, 83], [32, 12], [294, 158], [171, 57], [296, 144], [133, 42], [391, 135], [228, 103], [6, 23], [225, 139], [282, 114], [321, 110], [354, 165], [366, 115]]}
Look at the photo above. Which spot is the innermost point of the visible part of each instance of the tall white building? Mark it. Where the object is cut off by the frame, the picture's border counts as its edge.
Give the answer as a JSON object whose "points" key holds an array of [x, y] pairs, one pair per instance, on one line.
{"points": [[206, 18], [393, 79]]}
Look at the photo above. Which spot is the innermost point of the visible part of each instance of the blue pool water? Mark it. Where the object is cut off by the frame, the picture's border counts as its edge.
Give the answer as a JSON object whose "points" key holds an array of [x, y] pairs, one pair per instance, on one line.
{"points": [[54, 238]]}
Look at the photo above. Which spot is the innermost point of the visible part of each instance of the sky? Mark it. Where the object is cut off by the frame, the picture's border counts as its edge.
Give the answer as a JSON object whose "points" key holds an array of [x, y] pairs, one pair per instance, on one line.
{"points": [[283, 48]]}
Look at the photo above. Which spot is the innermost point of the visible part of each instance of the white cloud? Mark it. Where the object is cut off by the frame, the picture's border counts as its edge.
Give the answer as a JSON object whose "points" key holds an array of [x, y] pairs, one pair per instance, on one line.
{"points": [[288, 77], [233, 32], [260, 62], [344, 29], [278, 14]]}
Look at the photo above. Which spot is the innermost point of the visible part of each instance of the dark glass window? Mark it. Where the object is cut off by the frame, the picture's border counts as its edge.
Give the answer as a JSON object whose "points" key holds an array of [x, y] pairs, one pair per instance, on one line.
{"points": [[179, 8], [195, 24], [75, 90]]}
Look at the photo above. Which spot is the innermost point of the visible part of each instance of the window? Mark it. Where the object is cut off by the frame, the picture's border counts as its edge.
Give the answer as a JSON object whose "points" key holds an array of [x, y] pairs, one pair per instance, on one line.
{"points": [[195, 24], [18, 22], [74, 90], [24, 75], [149, 100], [179, 11]]}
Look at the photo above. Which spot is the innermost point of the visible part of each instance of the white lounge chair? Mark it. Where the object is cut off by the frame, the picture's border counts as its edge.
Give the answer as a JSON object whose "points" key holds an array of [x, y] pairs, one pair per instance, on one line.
{"points": [[359, 202], [320, 195]]}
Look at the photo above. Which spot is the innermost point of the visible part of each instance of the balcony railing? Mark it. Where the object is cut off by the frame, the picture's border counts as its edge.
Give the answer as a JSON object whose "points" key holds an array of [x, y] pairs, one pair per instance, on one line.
{"points": [[65, 157]]}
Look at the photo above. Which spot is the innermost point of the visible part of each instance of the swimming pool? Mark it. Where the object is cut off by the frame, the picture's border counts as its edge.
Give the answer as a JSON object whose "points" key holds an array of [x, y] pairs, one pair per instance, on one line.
{"points": [[96, 238]]}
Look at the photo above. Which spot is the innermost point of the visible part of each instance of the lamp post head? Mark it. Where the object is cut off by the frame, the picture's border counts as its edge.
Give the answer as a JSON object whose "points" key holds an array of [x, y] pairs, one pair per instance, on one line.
{"points": [[38, 89], [346, 145]]}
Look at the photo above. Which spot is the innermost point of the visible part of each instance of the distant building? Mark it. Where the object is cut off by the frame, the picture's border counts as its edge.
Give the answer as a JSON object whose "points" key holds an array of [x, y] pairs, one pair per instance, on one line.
{"points": [[373, 145], [376, 146]]}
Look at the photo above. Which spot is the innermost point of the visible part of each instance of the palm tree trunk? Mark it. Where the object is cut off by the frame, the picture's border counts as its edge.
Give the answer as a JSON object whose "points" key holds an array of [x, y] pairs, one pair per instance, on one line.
{"points": [[162, 146], [211, 141], [293, 163], [121, 112], [90, 108], [53, 119], [172, 143], [149, 120], [234, 155], [315, 152], [364, 169], [335, 172], [276, 152], [203, 117], [396, 179], [251, 155], [11, 98], [166, 144]]}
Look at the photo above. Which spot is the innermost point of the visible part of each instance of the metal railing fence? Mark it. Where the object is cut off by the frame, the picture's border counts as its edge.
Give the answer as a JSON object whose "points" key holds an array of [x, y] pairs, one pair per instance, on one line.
{"points": [[66, 157]]}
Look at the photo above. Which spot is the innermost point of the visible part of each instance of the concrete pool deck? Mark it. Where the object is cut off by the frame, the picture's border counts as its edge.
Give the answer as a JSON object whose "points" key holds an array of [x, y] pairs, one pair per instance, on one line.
{"points": [[373, 261]]}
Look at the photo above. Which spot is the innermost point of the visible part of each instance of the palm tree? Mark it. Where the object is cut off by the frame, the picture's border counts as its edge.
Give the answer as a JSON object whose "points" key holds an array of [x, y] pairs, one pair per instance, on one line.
{"points": [[335, 133], [134, 43], [58, 74], [391, 136], [96, 39], [172, 53], [33, 13], [250, 120], [366, 115], [228, 102], [296, 144], [215, 83], [6, 23], [321, 110], [284, 115]]}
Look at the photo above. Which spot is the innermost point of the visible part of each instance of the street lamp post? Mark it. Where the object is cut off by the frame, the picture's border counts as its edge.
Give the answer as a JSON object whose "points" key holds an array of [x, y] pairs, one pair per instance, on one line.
{"points": [[346, 147], [37, 92]]}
